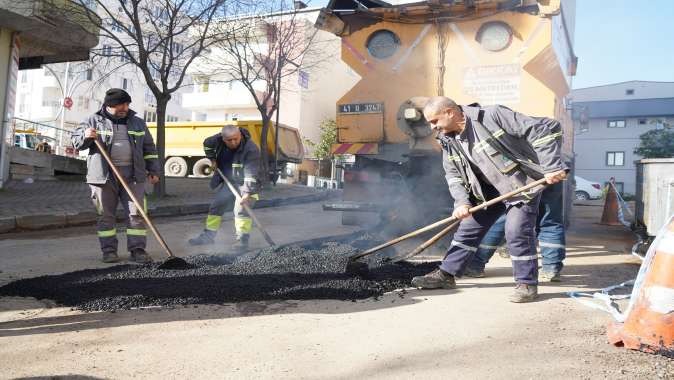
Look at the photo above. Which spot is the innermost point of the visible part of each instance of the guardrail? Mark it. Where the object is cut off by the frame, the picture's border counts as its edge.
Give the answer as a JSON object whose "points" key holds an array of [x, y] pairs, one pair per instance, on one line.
{"points": [[57, 138]]}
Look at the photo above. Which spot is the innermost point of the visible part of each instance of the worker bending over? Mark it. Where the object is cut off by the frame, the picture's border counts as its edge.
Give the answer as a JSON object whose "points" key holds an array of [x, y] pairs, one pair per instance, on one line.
{"points": [[236, 155], [487, 152]]}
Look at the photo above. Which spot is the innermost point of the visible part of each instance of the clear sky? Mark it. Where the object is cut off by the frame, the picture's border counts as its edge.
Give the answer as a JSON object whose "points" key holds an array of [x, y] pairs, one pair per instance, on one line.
{"points": [[620, 40]]}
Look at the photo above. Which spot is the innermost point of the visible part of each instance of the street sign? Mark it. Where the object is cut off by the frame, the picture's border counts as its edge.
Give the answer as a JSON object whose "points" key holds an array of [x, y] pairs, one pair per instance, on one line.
{"points": [[68, 102]]}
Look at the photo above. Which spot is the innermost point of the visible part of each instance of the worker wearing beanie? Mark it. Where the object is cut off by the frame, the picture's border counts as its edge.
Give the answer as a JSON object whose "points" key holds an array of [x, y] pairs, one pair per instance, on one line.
{"points": [[133, 152], [236, 155]]}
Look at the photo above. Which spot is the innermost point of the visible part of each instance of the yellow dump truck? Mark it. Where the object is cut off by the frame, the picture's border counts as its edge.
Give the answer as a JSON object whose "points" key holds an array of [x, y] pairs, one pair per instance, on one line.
{"points": [[514, 53], [185, 150]]}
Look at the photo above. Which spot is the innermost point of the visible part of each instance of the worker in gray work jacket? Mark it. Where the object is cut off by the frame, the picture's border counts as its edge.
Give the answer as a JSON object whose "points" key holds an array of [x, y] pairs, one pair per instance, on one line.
{"points": [[489, 152], [133, 152], [236, 155]]}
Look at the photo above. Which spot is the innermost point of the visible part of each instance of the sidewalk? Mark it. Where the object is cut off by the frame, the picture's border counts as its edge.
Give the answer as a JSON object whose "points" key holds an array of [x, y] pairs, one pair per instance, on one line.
{"points": [[52, 204]]}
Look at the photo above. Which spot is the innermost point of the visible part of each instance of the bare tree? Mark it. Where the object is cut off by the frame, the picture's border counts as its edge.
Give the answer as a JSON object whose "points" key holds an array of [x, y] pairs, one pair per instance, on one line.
{"points": [[160, 38], [270, 43]]}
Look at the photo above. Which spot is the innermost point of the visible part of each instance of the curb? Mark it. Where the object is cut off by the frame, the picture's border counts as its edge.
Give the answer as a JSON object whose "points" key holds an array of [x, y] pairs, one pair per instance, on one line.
{"points": [[51, 221]]}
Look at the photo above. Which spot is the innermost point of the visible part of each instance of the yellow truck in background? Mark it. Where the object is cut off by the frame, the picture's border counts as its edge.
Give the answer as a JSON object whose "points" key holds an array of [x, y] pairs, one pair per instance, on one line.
{"points": [[185, 150]]}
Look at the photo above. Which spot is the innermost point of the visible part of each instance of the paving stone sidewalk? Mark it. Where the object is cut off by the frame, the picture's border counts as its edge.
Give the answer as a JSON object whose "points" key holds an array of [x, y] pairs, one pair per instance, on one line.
{"points": [[50, 204]]}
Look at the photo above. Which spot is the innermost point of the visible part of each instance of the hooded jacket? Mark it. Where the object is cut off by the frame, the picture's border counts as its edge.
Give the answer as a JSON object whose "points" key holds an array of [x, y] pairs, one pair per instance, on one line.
{"points": [[508, 148], [144, 152], [243, 161]]}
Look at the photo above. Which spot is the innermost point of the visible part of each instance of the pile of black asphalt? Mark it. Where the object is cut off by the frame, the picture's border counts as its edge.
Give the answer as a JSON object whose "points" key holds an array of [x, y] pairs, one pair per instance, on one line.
{"points": [[293, 272]]}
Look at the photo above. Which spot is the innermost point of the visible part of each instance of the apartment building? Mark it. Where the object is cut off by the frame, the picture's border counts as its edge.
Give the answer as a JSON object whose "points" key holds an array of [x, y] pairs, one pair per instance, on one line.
{"points": [[608, 121], [308, 96]]}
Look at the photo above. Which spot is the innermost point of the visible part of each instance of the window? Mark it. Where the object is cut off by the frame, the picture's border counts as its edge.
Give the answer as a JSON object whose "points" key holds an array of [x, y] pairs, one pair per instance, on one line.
{"points": [[125, 83], [177, 48], [642, 121], [51, 103], [17, 141], [303, 79], [171, 118], [116, 26], [124, 57], [150, 116], [615, 158], [202, 84], [106, 50], [90, 74], [161, 13], [24, 77], [150, 100], [616, 123], [629, 91], [154, 73]]}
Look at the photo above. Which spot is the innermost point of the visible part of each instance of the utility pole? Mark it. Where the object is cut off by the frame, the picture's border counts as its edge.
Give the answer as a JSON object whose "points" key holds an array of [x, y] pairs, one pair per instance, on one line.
{"points": [[63, 105]]}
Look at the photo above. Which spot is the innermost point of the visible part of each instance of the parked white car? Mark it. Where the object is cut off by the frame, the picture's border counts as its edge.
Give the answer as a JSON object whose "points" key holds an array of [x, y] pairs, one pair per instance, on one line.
{"points": [[586, 190]]}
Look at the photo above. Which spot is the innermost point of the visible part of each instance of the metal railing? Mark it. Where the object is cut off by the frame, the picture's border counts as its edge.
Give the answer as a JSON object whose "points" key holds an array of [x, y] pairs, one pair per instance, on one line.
{"points": [[58, 138]]}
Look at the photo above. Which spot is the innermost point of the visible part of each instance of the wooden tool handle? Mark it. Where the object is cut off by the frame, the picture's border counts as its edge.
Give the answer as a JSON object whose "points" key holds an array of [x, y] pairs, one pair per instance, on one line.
{"points": [[139, 205], [246, 207], [431, 241], [450, 219]]}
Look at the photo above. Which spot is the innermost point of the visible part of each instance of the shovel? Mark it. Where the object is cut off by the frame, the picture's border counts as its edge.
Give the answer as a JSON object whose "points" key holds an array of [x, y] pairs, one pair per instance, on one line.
{"points": [[172, 262], [236, 194], [355, 267]]}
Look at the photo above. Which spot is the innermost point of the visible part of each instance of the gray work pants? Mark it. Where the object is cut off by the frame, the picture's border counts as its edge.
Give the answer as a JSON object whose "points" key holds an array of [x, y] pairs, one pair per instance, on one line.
{"points": [[106, 197]]}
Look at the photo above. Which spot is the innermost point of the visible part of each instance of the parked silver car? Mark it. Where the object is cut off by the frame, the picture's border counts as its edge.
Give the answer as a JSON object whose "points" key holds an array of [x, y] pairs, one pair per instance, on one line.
{"points": [[586, 190]]}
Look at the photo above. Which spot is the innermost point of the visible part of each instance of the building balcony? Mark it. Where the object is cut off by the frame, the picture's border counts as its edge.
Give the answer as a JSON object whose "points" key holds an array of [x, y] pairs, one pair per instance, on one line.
{"points": [[51, 30], [218, 97]]}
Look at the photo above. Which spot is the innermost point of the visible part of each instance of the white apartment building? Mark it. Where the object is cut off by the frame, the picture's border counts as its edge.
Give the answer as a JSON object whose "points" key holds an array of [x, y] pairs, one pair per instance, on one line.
{"points": [[41, 93], [307, 97], [40, 98]]}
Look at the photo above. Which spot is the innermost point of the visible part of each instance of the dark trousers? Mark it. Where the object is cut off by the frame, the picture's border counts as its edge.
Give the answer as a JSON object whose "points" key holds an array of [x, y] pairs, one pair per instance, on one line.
{"points": [[551, 235], [520, 236]]}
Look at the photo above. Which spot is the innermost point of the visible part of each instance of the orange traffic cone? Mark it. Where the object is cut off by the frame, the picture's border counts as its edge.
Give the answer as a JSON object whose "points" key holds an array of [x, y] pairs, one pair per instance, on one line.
{"points": [[610, 214], [649, 325]]}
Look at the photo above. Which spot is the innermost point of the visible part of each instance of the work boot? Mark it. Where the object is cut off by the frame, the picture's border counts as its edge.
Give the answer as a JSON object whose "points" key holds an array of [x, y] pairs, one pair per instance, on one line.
{"points": [[475, 273], [205, 238], [110, 257], [524, 293], [139, 256], [240, 245], [549, 276], [434, 280]]}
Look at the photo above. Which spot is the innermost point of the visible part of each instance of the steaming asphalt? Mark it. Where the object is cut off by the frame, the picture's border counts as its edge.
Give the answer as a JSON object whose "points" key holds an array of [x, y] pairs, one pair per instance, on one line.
{"points": [[470, 332], [286, 273], [313, 271]]}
